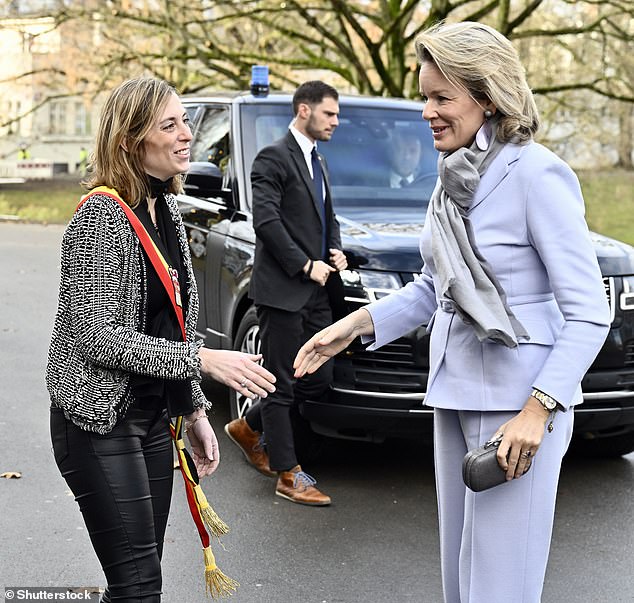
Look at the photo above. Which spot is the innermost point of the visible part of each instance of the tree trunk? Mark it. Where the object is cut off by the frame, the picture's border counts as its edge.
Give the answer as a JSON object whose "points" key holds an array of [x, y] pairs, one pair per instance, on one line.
{"points": [[625, 142]]}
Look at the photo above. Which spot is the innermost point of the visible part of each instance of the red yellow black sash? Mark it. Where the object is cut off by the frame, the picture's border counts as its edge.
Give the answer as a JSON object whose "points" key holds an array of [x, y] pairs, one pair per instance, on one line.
{"points": [[205, 518]]}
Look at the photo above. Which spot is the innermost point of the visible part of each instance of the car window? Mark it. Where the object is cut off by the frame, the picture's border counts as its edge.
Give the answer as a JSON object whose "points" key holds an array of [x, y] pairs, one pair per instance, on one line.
{"points": [[211, 142], [191, 113], [268, 128], [377, 156], [210, 171]]}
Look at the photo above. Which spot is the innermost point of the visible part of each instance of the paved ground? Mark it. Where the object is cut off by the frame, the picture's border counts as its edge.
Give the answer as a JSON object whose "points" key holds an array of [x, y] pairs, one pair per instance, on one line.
{"points": [[377, 543]]}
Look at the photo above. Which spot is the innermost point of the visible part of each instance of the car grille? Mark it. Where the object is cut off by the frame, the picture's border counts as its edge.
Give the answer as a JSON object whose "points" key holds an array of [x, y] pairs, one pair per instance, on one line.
{"points": [[629, 353], [389, 370], [608, 285], [399, 367]]}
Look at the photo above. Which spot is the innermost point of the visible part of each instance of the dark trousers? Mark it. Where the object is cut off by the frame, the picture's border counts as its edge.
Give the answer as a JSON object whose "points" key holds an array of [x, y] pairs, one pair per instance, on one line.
{"points": [[282, 334], [123, 484]]}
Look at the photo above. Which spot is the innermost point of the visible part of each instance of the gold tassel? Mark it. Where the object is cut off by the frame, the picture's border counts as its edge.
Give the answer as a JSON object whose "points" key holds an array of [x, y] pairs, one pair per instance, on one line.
{"points": [[217, 584], [210, 518]]}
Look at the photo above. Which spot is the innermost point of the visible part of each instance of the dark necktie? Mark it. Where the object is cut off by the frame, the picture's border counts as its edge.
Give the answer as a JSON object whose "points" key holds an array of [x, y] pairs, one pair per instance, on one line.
{"points": [[318, 181], [404, 182]]}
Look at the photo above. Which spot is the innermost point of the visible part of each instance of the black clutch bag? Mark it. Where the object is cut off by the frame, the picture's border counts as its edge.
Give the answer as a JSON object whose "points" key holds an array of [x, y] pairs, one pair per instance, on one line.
{"points": [[480, 469]]}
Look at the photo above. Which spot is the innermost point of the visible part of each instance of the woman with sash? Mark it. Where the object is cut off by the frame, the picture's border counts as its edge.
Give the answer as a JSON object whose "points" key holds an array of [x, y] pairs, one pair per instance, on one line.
{"points": [[124, 358]]}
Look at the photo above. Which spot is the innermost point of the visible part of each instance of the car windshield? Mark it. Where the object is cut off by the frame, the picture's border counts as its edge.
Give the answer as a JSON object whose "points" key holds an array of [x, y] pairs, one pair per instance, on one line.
{"points": [[377, 157]]}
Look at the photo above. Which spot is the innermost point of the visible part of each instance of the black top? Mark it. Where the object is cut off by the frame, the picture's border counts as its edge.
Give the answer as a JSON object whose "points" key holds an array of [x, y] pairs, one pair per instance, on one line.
{"points": [[161, 318]]}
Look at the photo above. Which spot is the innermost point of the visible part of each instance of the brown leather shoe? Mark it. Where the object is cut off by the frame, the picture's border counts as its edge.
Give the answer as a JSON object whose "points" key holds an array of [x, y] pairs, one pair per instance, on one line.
{"points": [[299, 487], [250, 442]]}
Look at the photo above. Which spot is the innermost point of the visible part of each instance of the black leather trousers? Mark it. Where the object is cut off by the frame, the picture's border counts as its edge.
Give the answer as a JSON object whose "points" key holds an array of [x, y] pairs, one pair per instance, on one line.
{"points": [[123, 484]]}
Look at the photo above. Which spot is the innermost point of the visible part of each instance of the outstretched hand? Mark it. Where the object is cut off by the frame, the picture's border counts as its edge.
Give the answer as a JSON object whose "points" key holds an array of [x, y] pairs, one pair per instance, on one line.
{"points": [[238, 370], [330, 341]]}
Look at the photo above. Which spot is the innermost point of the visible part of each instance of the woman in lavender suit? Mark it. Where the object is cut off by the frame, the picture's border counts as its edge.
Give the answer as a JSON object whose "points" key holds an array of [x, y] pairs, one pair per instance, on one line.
{"points": [[513, 296]]}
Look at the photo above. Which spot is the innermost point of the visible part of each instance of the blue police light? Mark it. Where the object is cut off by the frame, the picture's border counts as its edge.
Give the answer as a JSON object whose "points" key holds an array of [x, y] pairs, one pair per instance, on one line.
{"points": [[259, 80]]}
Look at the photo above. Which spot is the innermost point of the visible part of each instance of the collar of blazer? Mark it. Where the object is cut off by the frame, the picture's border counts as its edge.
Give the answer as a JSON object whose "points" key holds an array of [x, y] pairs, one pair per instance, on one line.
{"points": [[298, 157], [497, 171]]}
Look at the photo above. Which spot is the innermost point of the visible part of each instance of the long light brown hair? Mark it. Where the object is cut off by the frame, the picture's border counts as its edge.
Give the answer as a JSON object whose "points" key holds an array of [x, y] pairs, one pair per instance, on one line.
{"points": [[127, 117]]}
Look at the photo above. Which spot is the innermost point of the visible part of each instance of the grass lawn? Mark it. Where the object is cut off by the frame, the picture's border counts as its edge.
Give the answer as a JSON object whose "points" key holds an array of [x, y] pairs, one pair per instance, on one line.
{"points": [[609, 199], [44, 201]]}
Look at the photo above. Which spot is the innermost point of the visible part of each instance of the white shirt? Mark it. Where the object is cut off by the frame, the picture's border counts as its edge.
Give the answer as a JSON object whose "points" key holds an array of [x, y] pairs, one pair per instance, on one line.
{"points": [[307, 146], [396, 180]]}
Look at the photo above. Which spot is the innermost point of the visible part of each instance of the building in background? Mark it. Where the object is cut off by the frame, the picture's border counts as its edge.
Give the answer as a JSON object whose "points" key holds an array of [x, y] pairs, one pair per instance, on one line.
{"points": [[37, 111]]}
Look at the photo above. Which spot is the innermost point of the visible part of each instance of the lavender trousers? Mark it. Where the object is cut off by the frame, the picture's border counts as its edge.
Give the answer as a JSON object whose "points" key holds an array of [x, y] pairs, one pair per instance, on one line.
{"points": [[494, 544]]}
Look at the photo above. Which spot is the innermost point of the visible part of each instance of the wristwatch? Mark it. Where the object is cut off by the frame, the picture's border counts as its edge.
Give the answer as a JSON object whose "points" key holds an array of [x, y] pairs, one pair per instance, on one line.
{"points": [[550, 404]]}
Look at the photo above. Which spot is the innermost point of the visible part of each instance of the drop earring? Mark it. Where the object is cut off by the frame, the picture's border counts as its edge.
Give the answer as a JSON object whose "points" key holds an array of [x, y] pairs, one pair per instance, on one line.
{"points": [[488, 114]]}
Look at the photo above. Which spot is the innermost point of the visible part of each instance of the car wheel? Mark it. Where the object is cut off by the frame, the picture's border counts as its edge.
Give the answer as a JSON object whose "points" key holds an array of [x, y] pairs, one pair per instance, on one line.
{"points": [[602, 445], [247, 340], [308, 444]]}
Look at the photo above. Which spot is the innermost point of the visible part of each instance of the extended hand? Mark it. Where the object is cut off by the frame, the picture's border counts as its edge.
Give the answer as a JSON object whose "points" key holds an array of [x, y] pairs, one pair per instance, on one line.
{"points": [[331, 340], [239, 371]]}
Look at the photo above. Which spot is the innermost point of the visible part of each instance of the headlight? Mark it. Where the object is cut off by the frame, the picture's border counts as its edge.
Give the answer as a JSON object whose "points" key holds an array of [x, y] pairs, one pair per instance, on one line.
{"points": [[626, 299], [371, 285]]}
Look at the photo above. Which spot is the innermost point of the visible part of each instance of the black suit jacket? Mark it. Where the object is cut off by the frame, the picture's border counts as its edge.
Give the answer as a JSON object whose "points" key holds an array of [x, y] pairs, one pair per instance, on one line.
{"points": [[288, 225]]}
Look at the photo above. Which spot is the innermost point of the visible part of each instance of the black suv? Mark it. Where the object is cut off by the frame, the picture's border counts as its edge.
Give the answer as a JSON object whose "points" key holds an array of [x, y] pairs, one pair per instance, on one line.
{"points": [[381, 393]]}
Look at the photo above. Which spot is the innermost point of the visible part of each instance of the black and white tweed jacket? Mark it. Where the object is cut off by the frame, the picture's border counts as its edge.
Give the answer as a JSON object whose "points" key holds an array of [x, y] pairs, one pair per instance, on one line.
{"points": [[98, 338]]}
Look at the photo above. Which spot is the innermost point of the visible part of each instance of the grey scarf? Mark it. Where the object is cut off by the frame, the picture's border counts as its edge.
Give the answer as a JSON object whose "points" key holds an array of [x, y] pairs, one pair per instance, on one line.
{"points": [[465, 276]]}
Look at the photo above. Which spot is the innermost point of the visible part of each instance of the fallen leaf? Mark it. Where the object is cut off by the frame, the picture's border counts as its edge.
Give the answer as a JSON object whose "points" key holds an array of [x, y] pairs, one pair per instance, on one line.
{"points": [[11, 474]]}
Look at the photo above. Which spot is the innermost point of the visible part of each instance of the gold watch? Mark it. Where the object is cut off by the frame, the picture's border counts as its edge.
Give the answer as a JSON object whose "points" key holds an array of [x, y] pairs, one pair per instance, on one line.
{"points": [[550, 404]]}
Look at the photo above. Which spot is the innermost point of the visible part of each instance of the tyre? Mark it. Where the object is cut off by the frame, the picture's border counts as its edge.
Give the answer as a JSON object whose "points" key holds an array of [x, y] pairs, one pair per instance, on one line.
{"points": [[247, 340], [308, 444], [603, 445]]}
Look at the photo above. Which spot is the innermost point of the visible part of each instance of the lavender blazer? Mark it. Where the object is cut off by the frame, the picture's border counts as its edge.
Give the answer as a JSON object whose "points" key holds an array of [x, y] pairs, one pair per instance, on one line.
{"points": [[528, 221]]}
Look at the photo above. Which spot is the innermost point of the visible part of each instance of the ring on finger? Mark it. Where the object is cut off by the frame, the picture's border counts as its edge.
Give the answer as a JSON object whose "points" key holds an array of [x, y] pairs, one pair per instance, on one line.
{"points": [[244, 383], [527, 454]]}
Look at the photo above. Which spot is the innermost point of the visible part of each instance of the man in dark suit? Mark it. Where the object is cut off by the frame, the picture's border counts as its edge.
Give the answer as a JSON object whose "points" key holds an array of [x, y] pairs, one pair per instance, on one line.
{"points": [[298, 248]]}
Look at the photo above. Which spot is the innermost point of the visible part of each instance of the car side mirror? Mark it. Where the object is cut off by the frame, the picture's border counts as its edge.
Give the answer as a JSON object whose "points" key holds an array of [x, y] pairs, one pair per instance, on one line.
{"points": [[204, 179]]}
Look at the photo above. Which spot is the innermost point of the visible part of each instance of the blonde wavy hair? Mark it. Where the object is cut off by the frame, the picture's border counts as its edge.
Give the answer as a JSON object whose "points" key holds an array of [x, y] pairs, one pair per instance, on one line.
{"points": [[483, 63], [127, 117]]}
